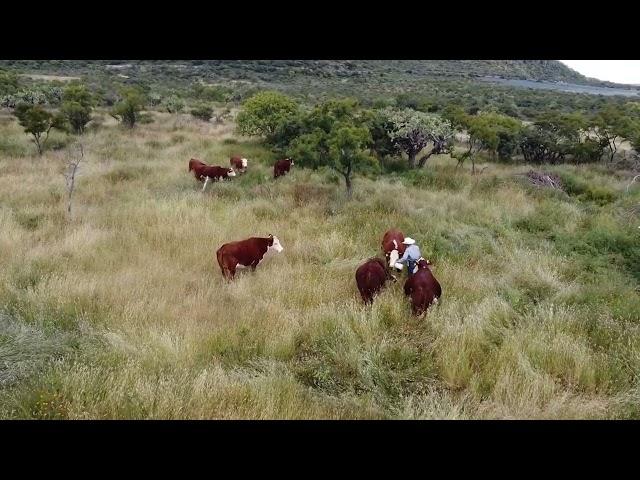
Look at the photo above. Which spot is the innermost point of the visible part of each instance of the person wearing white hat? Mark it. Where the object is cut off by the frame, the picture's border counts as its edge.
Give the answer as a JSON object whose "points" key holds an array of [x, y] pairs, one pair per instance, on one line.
{"points": [[411, 255]]}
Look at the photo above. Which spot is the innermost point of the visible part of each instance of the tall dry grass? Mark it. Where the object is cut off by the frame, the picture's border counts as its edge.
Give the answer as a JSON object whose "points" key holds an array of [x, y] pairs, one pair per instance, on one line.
{"points": [[121, 310]]}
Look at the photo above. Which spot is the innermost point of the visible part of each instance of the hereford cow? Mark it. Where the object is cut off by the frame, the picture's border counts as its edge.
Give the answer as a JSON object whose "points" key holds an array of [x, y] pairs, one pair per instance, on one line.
{"points": [[215, 173], [196, 166], [281, 167], [422, 287], [245, 253], [371, 277], [392, 246], [239, 163]]}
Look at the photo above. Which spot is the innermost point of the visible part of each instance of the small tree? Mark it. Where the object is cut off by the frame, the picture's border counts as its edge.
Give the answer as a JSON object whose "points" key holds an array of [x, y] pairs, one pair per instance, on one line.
{"points": [[490, 131], [128, 109], [611, 127], [37, 122], [412, 131], [347, 149], [77, 105], [203, 112], [154, 99], [174, 104], [264, 112]]}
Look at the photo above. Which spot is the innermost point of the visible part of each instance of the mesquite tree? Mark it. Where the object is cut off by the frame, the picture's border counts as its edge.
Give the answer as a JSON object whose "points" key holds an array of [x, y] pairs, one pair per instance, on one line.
{"points": [[611, 127], [77, 105], [38, 122], [337, 136], [174, 104], [264, 112], [128, 109], [412, 131]]}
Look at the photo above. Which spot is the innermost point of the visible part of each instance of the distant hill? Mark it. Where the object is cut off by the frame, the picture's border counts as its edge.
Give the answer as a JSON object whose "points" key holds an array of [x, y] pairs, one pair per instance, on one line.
{"points": [[283, 70]]}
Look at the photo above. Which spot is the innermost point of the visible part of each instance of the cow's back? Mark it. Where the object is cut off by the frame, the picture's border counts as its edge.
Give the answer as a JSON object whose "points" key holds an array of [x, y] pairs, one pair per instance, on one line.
{"points": [[423, 288], [245, 252], [370, 278], [281, 167]]}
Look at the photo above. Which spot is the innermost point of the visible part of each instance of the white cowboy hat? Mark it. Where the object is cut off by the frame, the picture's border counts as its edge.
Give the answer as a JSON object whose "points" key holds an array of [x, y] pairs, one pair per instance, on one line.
{"points": [[408, 241]]}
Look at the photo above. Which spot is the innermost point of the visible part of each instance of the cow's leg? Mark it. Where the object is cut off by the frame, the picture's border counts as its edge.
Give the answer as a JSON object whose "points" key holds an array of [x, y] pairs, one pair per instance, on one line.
{"points": [[229, 273], [205, 183]]}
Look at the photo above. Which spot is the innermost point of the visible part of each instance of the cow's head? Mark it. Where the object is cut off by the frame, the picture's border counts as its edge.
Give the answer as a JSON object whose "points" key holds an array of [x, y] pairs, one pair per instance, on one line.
{"points": [[393, 257], [291, 161], [231, 172], [423, 263], [274, 244], [244, 163]]}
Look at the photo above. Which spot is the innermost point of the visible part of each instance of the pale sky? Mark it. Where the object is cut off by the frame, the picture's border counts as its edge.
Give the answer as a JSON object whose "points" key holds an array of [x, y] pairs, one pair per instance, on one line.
{"points": [[619, 71]]}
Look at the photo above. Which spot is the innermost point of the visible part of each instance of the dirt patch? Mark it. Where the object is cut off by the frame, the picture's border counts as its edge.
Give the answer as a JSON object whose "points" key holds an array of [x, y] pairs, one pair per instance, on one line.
{"points": [[49, 77]]}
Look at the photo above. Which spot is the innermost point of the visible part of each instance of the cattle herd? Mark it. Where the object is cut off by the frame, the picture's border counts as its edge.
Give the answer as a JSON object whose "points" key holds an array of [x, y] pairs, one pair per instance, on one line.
{"points": [[204, 172], [422, 287]]}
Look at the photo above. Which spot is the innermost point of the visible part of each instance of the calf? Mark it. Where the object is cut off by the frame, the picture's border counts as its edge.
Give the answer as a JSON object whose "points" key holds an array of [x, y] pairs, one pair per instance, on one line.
{"points": [[392, 246], [216, 173], [422, 287], [281, 167], [371, 276], [245, 253], [239, 163]]}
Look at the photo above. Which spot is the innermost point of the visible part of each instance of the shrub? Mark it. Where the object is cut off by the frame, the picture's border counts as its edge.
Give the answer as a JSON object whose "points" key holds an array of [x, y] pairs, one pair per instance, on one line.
{"points": [[202, 112]]}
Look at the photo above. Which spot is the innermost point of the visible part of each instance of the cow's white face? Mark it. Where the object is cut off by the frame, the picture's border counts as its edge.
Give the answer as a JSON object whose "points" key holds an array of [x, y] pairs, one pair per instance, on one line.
{"points": [[232, 172], [244, 163], [393, 257], [276, 245]]}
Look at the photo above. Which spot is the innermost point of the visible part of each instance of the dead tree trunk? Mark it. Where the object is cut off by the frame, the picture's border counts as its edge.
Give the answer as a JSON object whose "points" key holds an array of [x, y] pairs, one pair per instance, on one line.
{"points": [[70, 175]]}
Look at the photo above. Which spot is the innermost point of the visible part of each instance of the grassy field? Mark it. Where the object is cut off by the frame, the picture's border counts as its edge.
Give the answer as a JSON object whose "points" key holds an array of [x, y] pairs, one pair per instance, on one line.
{"points": [[121, 311]]}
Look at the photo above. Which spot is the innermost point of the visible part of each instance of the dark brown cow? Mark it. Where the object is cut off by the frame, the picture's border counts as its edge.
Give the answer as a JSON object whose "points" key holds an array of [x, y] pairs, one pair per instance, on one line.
{"points": [[245, 253], [371, 277], [281, 167], [196, 166], [423, 288], [215, 173], [392, 246], [239, 163]]}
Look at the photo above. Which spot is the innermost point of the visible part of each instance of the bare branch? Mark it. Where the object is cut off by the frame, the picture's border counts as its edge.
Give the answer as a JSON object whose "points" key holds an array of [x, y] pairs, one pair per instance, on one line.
{"points": [[633, 180], [71, 172]]}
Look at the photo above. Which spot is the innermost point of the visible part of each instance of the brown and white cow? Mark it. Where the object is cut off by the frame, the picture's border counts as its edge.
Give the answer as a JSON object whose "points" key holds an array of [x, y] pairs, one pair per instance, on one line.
{"points": [[281, 167], [392, 246], [371, 276], [215, 173], [239, 163], [422, 287], [196, 166], [245, 253]]}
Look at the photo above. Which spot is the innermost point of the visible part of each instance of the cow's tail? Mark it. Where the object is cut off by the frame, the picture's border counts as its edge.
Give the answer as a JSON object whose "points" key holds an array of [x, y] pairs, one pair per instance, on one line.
{"points": [[219, 258]]}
